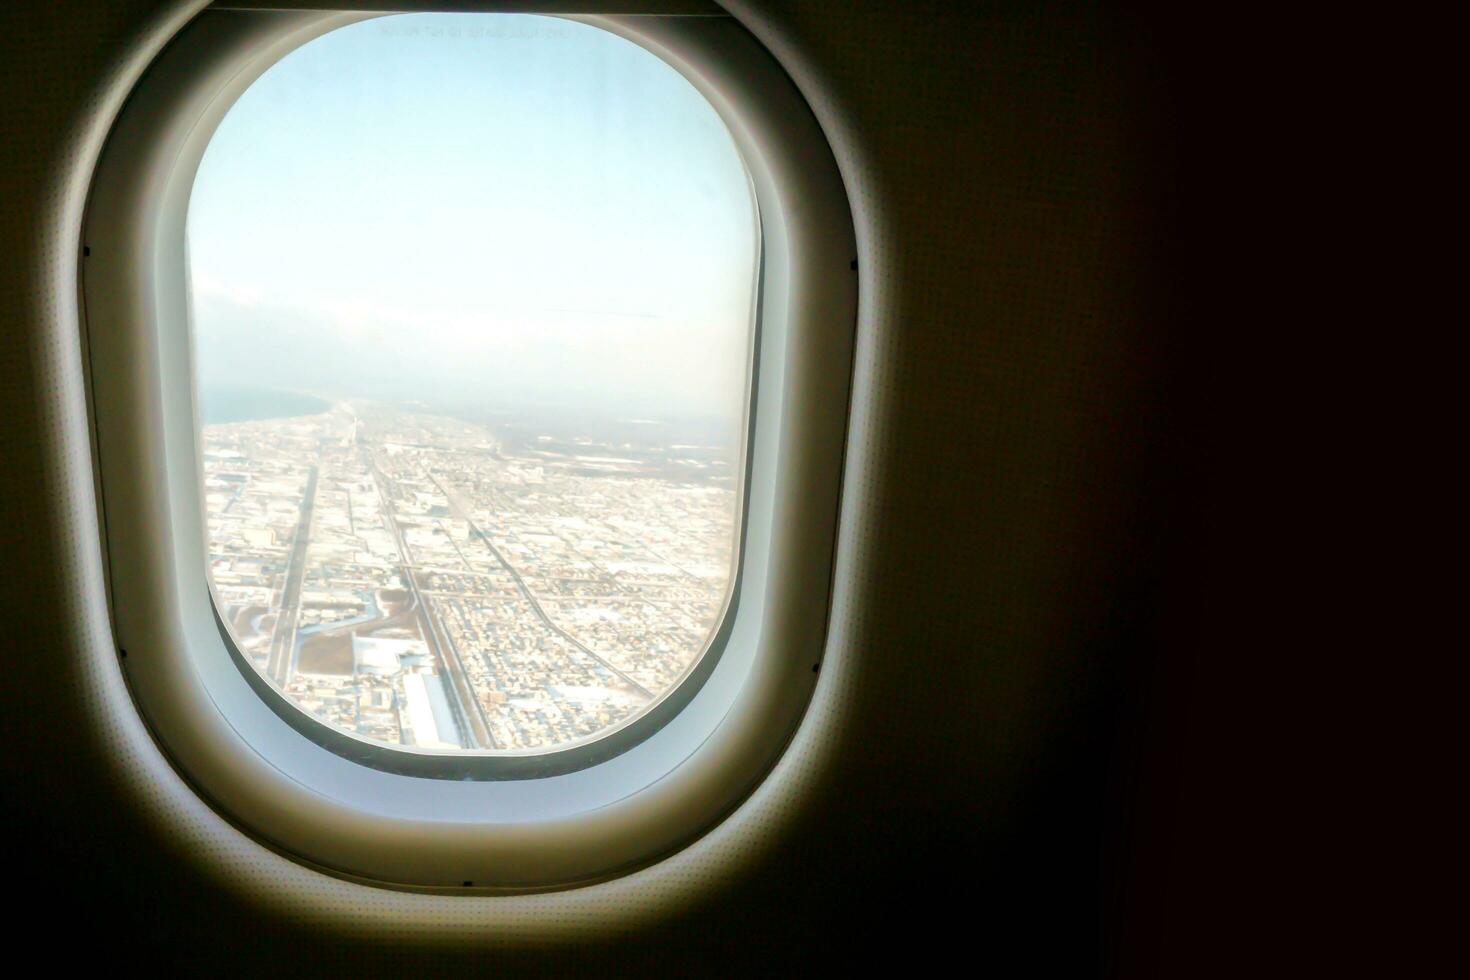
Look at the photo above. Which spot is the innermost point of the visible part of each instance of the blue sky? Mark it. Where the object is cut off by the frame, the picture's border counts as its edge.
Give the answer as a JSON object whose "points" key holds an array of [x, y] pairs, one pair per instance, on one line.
{"points": [[499, 209]]}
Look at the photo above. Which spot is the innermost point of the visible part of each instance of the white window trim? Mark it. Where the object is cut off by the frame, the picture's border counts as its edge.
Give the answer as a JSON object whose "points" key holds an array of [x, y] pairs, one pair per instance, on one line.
{"points": [[524, 832]]}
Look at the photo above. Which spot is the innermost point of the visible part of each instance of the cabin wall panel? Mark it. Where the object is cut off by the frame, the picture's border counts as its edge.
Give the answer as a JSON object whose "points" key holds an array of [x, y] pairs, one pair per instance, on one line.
{"points": [[996, 566]]}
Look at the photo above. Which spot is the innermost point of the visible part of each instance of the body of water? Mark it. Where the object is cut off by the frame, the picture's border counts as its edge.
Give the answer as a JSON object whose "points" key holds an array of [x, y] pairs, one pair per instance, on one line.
{"points": [[218, 405]]}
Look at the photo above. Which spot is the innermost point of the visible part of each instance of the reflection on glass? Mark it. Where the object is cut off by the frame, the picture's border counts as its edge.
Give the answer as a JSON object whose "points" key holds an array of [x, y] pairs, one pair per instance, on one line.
{"points": [[472, 317]]}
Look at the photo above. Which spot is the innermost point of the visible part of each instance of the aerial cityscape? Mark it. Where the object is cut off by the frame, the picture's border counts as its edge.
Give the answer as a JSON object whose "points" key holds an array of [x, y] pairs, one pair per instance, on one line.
{"points": [[422, 580]]}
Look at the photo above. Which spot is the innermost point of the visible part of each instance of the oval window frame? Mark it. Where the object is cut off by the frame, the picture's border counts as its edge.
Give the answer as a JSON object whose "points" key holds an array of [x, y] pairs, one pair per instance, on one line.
{"points": [[509, 830]]}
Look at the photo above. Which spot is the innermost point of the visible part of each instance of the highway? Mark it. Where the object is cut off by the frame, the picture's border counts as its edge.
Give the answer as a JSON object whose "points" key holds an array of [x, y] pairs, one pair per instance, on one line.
{"points": [[279, 663], [467, 711]]}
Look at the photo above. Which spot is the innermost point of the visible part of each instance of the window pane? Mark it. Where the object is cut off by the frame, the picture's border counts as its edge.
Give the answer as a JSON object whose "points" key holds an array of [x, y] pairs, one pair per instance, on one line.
{"points": [[472, 308]]}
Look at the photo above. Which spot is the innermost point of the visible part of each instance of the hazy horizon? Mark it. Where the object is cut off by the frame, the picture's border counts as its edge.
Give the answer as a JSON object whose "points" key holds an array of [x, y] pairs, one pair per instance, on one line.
{"points": [[509, 216]]}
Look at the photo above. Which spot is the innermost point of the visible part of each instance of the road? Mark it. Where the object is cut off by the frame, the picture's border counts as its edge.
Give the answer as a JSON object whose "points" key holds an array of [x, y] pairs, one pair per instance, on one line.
{"points": [[466, 707], [279, 663], [457, 509]]}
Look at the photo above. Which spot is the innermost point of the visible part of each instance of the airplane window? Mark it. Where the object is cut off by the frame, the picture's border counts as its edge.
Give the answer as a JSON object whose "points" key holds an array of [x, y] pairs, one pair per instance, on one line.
{"points": [[472, 304]]}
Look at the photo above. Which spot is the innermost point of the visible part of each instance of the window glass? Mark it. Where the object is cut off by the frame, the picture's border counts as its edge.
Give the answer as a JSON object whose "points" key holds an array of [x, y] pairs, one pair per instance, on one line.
{"points": [[472, 314]]}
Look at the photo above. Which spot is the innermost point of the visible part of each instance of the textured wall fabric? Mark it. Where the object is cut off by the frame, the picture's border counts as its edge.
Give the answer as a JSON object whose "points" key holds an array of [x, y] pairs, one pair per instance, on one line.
{"points": [[994, 563]]}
